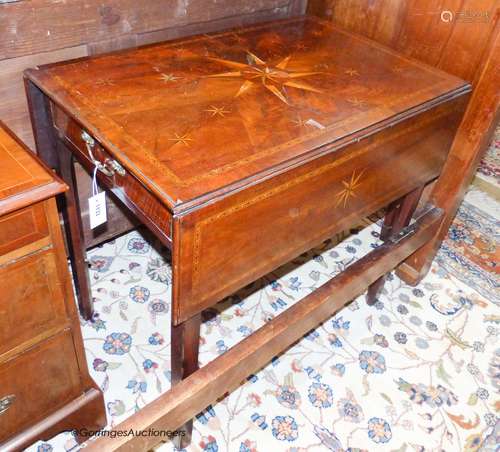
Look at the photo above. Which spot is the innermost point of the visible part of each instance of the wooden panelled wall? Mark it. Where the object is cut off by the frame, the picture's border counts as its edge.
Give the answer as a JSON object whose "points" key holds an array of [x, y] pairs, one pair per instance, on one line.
{"points": [[461, 37], [34, 32]]}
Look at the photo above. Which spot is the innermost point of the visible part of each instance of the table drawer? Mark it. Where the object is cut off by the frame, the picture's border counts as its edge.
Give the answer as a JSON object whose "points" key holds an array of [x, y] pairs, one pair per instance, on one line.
{"points": [[123, 184], [22, 228], [37, 383], [31, 301]]}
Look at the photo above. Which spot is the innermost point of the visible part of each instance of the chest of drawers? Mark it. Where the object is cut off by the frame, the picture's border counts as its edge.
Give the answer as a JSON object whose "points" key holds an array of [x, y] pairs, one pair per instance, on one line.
{"points": [[44, 382]]}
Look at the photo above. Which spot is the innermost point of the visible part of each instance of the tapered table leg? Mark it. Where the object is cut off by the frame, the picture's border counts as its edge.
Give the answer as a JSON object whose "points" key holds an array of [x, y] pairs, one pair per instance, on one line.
{"points": [[185, 343], [74, 234], [398, 216]]}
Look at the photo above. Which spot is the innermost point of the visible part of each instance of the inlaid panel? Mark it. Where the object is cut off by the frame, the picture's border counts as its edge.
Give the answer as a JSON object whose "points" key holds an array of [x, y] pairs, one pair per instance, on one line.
{"points": [[23, 180], [18, 171], [31, 301], [22, 227], [200, 115], [38, 382], [242, 237]]}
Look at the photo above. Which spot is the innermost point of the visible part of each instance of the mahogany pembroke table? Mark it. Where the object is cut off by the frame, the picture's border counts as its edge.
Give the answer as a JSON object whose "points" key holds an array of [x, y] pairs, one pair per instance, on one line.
{"points": [[240, 151]]}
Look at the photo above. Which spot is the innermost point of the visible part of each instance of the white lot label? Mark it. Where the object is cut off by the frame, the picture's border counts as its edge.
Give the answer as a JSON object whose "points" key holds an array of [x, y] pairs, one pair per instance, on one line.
{"points": [[97, 209]]}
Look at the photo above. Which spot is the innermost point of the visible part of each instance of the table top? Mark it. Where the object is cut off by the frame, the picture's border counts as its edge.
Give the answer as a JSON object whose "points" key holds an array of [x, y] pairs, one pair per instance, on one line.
{"points": [[24, 180], [196, 118]]}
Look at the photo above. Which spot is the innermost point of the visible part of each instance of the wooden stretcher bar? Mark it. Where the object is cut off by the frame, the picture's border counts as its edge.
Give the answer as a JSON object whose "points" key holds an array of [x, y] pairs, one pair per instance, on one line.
{"points": [[227, 372]]}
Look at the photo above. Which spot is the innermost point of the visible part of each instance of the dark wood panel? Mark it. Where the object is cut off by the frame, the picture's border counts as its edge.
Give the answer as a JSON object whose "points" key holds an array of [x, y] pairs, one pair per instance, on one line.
{"points": [[22, 227], [471, 142], [36, 26], [244, 17], [40, 381], [454, 43], [31, 301], [270, 223], [473, 25], [13, 107], [377, 19]]}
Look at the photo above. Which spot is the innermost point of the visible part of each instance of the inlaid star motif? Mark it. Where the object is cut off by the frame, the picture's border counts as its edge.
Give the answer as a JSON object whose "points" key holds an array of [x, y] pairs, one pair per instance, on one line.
{"points": [[217, 111], [356, 102], [352, 72], [348, 192], [168, 78], [181, 139], [299, 122], [258, 72]]}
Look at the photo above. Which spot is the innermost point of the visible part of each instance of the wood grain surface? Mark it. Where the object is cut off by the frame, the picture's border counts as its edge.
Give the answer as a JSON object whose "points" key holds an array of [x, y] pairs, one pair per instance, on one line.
{"points": [[460, 37], [23, 179], [42, 31], [43, 369], [451, 35], [201, 115]]}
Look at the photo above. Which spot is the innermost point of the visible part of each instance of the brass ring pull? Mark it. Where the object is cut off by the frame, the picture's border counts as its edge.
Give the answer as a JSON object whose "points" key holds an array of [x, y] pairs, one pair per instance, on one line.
{"points": [[109, 167], [6, 402]]}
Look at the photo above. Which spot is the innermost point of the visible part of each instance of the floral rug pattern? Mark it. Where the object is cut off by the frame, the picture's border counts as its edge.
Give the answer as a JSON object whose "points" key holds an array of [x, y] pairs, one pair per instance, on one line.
{"points": [[490, 164], [471, 251], [419, 371]]}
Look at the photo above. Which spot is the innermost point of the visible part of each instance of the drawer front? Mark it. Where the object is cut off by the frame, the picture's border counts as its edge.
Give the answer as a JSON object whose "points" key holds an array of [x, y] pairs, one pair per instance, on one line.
{"points": [[22, 228], [229, 244], [37, 383], [31, 301], [126, 187]]}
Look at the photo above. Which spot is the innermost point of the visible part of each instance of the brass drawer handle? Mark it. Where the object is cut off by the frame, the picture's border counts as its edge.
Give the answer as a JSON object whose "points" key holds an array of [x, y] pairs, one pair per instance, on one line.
{"points": [[6, 402], [109, 167]]}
